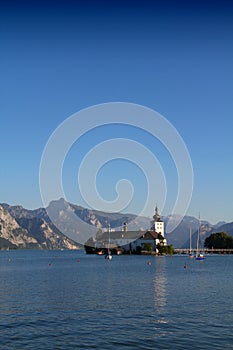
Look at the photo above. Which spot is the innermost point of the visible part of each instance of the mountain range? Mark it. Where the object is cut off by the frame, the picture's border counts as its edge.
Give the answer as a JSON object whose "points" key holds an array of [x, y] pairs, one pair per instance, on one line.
{"points": [[33, 229]]}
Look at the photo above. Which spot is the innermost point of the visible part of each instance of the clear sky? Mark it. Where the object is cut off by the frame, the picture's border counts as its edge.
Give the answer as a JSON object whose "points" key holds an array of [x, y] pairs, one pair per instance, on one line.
{"points": [[175, 57]]}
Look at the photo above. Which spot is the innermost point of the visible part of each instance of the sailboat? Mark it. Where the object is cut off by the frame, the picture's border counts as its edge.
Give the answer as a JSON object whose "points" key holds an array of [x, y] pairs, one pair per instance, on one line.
{"points": [[190, 244], [108, 256], [199, 255]]}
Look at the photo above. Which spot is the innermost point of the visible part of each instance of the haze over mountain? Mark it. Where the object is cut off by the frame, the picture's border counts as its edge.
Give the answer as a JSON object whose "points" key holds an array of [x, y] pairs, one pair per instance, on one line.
{"points": [[23, 228]]}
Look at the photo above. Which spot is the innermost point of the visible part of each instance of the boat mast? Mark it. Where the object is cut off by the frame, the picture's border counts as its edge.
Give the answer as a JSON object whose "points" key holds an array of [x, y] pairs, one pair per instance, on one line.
{"points": [[109, 238], [190, 240], [108, 256], [198, 234]]}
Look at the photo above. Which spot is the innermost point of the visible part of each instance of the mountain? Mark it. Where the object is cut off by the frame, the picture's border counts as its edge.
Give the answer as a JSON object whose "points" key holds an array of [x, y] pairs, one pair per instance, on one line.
{"points": [[228, 228], [17, 211], [180, 236], [72, 225], [206, 230], [22, 228], [219, 224], [12, 235], [80, 223]]}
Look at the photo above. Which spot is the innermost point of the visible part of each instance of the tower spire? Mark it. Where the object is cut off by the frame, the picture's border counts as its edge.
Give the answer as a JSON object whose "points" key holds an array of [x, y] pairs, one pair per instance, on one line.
{"points": [[156, 217]]}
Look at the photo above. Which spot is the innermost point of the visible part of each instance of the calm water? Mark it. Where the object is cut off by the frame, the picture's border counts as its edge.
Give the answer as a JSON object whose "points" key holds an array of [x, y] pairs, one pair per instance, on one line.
{"points": [[69, 300]]}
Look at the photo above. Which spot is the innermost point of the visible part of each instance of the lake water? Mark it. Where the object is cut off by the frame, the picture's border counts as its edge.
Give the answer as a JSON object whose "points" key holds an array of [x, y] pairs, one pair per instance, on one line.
{"points": [[70, 300]]}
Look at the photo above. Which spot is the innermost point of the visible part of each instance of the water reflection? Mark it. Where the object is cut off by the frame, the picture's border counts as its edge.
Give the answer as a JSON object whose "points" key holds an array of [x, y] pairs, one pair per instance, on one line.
{"points": [[160, 290]]}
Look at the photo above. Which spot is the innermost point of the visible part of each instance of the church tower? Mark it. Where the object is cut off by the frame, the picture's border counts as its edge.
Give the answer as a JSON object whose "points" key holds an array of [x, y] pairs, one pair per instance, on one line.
{"points": [[158, 223]]}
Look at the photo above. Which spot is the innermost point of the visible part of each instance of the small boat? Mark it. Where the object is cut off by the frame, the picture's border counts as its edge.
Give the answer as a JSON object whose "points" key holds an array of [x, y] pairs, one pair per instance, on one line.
{"points": [[100, 252], [199, 255], [108, 256]]}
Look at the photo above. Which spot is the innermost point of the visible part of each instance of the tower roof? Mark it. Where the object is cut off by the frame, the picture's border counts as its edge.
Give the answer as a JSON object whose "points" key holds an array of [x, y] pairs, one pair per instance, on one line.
{"points": [[156, 217]]}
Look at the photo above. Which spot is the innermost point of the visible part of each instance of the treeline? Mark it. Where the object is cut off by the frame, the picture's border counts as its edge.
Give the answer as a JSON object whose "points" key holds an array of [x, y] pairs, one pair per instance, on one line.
{"points": [[219, 240]]}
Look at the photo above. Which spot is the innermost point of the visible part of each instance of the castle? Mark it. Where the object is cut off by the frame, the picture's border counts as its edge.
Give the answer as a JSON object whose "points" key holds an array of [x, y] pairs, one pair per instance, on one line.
{"points": [[126, 241]]}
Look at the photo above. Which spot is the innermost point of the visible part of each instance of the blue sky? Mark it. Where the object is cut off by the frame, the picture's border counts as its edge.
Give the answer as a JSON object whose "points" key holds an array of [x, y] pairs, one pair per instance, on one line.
{"points": [[174, 57]]}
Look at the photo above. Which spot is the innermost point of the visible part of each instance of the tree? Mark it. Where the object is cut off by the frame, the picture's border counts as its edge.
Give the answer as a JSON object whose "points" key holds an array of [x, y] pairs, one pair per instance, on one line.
{"points": [[165, 249], [219, 240], [148, 247]]}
